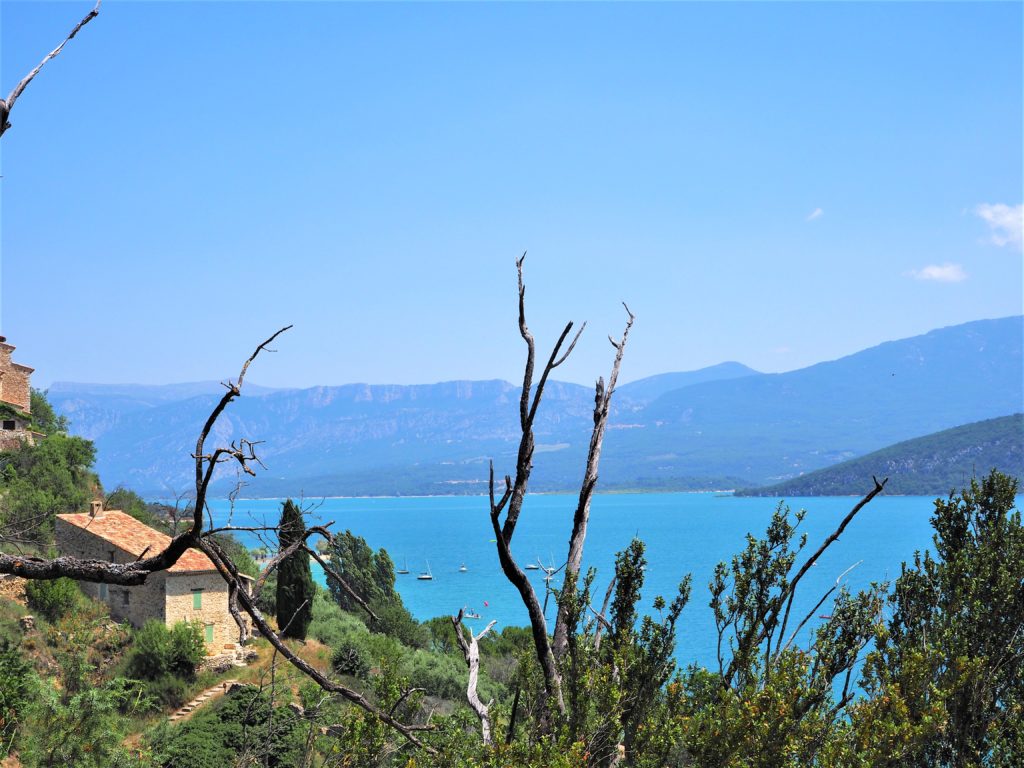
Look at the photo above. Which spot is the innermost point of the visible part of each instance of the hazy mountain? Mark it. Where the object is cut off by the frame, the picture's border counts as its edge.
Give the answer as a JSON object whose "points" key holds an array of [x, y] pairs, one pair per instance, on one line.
{"points": [[97, 408], [934, 464], [644, 391], [721, 426], [774, 426]]}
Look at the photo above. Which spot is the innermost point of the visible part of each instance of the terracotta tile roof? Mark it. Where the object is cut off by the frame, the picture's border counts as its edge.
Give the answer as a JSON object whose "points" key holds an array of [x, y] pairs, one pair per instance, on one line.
{"points": [[128, 534]]}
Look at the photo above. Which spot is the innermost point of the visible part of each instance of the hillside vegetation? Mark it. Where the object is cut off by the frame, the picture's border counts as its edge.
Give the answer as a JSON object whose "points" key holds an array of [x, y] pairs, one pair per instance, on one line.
{"points": [[934, 464]]}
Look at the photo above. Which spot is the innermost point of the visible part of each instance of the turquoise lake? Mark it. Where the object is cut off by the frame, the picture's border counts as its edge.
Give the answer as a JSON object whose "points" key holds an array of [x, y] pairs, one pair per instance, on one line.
{"points": [[684, 533]]}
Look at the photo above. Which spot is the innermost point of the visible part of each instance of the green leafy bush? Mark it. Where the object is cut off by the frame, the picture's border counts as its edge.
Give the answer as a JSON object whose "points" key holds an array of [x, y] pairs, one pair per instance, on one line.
{"points": [[16, 678], [160, 652], [350, 657], [242, 728], [53, 599]]}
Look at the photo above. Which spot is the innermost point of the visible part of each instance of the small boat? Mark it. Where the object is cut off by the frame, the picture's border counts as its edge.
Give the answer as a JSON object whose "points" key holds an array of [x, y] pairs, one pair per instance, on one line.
{"points": [[463, 568], [426, 575], [405, 568], [469, 613], [531, 567]]}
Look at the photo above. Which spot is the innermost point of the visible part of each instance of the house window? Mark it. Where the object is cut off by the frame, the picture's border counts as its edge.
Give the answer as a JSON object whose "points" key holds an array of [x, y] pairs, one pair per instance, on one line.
{"points": [[103, 592], [10, 424], [209, 634], [125, 598], [197, 599]]}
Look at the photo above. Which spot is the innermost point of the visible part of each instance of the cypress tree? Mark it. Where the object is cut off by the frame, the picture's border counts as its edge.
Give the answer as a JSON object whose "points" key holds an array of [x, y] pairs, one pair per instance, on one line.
{"points": [[294, 581]]}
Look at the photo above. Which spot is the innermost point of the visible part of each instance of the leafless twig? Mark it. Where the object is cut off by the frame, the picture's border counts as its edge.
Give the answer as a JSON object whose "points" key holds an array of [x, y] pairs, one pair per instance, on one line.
{"points": [[6, 105]]}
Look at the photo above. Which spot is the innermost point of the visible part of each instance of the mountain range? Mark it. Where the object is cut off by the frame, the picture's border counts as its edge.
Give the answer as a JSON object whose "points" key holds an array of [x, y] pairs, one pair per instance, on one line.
{"points": [[719, 427]]}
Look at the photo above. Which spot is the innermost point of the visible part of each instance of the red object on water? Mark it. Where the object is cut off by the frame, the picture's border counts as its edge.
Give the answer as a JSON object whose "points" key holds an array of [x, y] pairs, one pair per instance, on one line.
{"points": [[486, 604]]}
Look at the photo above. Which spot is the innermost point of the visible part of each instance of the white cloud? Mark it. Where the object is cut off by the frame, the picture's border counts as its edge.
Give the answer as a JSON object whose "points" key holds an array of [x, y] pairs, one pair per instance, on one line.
{"points": [[817, 213], [940, 273], [1005, 222]]}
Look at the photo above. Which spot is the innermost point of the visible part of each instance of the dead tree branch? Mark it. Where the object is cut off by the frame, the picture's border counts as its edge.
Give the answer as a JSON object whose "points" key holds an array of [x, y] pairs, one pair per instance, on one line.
{"points": [[6, 105], [135, 573], [230, 574], [602, 408], [471, 650], [515, 493]]}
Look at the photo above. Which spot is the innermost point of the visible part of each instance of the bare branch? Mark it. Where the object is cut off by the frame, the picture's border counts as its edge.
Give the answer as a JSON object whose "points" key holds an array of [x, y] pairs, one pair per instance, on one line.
{"points": [[7, 105], [581, 518], [471, 650], [247, 604]]}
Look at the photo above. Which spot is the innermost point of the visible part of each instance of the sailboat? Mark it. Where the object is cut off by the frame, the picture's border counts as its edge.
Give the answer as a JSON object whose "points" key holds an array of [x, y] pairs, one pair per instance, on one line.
{"points": [[405, 568], [463, 568], [426, 576]]}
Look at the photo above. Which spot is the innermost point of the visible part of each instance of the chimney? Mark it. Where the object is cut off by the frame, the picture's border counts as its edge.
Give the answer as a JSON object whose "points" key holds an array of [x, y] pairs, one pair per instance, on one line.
{"points": [[95, 508]]}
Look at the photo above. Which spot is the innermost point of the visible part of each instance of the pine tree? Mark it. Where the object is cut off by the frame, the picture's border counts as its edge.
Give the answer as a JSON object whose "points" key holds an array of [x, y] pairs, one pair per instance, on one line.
{"points": [[294, 581]]}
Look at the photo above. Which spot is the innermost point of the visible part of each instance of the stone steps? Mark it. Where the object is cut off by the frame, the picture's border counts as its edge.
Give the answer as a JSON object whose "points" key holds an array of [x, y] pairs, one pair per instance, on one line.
{"points": [[201, 699]]}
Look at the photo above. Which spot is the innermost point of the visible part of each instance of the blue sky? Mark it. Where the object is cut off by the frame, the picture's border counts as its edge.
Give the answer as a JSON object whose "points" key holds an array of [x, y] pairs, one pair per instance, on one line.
{"points": [[772, 183]]}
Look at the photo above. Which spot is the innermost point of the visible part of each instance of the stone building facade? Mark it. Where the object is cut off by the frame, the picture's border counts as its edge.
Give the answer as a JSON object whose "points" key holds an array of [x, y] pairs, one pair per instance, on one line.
{"points": [[190, 590], [15, 400]]}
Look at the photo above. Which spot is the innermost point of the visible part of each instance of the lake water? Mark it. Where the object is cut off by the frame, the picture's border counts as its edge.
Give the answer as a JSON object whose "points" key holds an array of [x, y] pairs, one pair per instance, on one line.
{"points": [[684, 533]]}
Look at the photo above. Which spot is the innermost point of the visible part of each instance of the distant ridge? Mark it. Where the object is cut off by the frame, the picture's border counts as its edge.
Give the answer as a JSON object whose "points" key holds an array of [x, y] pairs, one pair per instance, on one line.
{"points": [[651, 388], [725, 423], [931, 465]]}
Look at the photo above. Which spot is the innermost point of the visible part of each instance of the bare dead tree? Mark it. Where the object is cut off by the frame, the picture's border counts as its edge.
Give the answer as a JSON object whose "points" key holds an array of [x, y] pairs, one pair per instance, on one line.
{"points": [[602, 408], [6, 105], [471, 650], [515, 491]]}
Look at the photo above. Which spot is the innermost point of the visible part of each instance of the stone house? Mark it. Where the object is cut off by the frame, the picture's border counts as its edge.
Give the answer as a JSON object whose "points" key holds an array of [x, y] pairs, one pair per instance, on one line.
{"points": [[190, 590], [15, 400]]}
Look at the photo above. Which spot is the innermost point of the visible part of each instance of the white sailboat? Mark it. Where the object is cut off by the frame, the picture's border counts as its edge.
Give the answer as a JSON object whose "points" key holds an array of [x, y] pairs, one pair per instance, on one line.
{"points": [[427, 575]]}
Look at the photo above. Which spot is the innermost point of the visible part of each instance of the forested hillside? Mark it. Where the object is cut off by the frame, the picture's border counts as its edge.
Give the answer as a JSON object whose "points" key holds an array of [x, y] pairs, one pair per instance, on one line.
{"points": [[930, 465]]}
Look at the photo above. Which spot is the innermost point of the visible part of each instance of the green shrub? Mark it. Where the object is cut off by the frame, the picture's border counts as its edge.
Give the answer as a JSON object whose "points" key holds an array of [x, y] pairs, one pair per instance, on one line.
{"points": [[240, 725], [394, 620], [351, 658], [166, 691], [437, 674], [53, 599], [160, 652], [16, 682], [330, 624]]}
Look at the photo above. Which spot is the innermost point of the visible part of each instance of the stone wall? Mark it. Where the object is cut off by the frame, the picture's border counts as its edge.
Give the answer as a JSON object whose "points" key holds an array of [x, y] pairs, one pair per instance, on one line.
{"points": [[14, 380], [15, 390], [214, 611], [133, 604]]}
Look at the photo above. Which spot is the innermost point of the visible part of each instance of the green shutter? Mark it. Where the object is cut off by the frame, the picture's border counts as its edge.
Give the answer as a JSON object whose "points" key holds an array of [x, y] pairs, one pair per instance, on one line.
{"points": [[197, 599], [209, 634]]}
